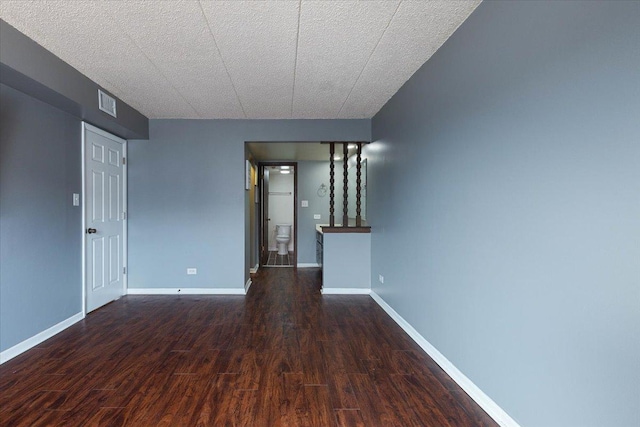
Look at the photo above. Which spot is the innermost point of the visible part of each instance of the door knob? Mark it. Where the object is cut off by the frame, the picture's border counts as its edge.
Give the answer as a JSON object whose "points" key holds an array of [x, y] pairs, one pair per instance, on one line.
{"points": [[91, 230]]}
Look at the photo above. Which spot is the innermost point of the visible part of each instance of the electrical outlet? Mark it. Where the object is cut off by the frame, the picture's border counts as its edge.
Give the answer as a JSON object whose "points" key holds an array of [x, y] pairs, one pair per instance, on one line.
{"points": [[192, 271], [316, 216], [76, 199], [380, 278], [304, 204]]}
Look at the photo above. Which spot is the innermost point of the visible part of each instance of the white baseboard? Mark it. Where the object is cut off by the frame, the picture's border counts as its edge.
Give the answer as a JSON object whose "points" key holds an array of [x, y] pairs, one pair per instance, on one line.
{"points": [[247, 286], [29, 343], [185, 291], [490, 407], [308, 265], [254, 270], [346, 291]]}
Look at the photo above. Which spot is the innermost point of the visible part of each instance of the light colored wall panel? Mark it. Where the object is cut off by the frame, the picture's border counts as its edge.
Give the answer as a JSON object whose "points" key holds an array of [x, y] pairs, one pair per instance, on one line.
{"points": [[40, 229], [187, 202], [346, 261], [312, 174], [504, 200]]}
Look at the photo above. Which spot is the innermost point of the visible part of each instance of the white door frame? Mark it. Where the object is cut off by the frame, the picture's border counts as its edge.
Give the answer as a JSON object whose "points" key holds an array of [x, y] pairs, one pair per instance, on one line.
{"points": [[85, 127]]}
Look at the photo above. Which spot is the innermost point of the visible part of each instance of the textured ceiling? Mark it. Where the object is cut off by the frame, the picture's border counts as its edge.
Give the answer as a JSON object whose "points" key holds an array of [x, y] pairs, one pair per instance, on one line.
{"points": [[243, 59]]}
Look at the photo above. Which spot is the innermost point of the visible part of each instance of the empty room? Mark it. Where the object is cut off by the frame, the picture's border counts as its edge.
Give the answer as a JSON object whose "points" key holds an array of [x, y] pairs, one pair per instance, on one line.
{"points": [[320, 213]]}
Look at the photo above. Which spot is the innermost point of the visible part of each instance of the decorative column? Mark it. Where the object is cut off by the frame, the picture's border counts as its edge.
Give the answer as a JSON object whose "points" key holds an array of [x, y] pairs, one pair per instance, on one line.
{"points": [[358, 186], [345, 209], [332, 150]]}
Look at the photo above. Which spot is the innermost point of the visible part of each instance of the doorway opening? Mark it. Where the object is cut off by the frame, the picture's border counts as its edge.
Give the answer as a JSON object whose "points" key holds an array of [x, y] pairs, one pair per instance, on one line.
{"points": [[278, 201], [310, 162]]}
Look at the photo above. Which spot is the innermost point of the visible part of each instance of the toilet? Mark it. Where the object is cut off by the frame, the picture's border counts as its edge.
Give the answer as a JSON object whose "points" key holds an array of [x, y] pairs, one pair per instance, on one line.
{"points": [[283, 236]]}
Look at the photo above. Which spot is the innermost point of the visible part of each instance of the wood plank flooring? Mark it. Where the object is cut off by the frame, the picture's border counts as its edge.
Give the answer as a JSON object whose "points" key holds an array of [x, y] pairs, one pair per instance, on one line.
{"points": [[284, 355]]}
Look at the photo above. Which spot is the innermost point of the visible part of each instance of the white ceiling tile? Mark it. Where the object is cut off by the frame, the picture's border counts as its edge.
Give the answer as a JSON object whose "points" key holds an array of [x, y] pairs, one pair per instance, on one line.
{"points": [[82, 35], [417, 31], [257, 41], [236, 59], [336, 39], [38, 21], [175, 38]]}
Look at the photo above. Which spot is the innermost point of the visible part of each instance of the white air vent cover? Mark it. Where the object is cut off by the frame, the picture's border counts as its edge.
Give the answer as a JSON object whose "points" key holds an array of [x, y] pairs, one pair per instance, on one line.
{"points": [[106, 103]]}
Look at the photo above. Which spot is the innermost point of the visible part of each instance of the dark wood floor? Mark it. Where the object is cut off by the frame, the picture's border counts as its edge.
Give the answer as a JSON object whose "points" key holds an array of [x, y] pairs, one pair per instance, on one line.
{"points": [[285, 355]]}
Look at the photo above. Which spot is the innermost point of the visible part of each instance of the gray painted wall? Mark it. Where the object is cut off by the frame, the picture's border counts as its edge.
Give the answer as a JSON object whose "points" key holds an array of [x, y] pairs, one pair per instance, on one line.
{"points": [[310, 175], [346, 261], [504, 197], [40, 240], [187, 203]]}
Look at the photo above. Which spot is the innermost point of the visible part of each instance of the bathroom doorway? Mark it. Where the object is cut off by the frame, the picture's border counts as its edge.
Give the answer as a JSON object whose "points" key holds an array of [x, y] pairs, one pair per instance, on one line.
{"points": [[278, 199]]}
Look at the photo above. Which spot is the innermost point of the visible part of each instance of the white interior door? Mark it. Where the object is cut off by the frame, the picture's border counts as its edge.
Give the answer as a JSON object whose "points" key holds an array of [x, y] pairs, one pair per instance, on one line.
{"points": [[105, 216]]}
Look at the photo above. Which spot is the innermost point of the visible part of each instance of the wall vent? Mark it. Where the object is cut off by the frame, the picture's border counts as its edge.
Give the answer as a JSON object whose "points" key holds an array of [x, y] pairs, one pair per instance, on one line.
{"points": [[106, 103]]}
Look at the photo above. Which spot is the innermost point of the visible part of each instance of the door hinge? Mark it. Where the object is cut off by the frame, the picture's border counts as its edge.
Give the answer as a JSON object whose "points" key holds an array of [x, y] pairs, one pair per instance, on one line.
{"points": [[124, 270], [124, 160], [124, 215]]}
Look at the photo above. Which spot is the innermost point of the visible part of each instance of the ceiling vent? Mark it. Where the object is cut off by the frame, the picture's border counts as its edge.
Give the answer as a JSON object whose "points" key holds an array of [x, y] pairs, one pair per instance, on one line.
{"points": [[106, 103]]}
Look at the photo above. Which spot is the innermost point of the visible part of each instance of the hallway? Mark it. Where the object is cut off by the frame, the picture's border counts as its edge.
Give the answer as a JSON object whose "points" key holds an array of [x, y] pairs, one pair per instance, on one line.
{"points": [[284, 355]]}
